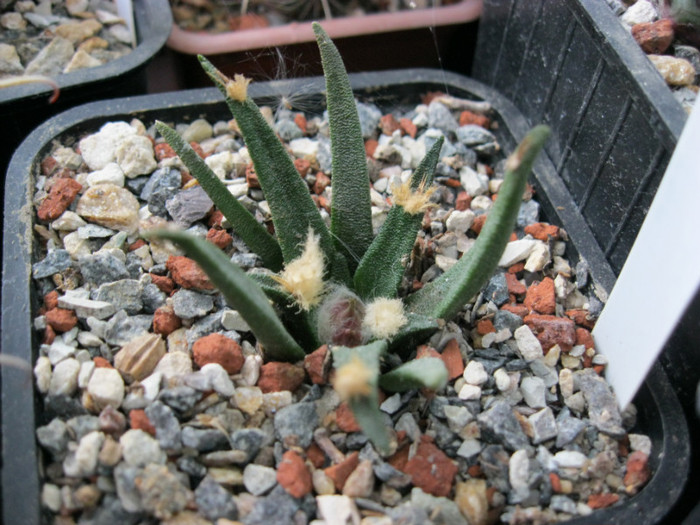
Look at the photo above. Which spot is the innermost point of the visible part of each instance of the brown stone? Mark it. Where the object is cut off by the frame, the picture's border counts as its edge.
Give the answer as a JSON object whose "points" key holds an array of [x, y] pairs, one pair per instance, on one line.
{"points": [[478, 223], [138, 420], [315, 455], [51, 300], [580, 317], [551, 330], [303, 166], [217, 348], [101, 362], [187, 273], [514, 285], [293, 475], [345, 419], [541, 298], [388, 124], [600, 501], [452, 358], [247, 21], [637, 472], [48, 165], [215, 219], [165, 321], [654, 37], [322, 182], [251, 177], [317, 365], [469, 117], [426, 351], [555, 482], [61, 319], [164, 283], [136, 245], [370, 147], [408, 127], [300, 121], [198, 150], [163, 151], [340, 472], [219, 238], [584, 337], [49, 335], [517, 309], [463, 201], [139, 357], [542, 231], [430, 469], [484, 326], [276, 377], [60, 197]]}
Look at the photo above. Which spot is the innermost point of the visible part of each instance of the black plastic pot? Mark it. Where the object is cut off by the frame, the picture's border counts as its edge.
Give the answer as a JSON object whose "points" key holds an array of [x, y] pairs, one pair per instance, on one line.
{"points": [[572, 65], [660, 415], [22, 108]]}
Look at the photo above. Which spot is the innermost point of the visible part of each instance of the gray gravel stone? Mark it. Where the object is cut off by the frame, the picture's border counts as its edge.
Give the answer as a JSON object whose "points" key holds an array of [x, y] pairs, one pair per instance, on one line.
{"points": [[544, 426], [124, 294], [499, 424], [369, 118], [296, 423], [249, 441], [102, 267], [180, 398], [188, 304], [214, 501], [166, 424], [122, 328], [163, 184], [188, 206], [473, 135], [440, 117], [442, 511], [602, 404], [54, 262], [54, 437], [259, 479], [204, 439], [497, 289]]}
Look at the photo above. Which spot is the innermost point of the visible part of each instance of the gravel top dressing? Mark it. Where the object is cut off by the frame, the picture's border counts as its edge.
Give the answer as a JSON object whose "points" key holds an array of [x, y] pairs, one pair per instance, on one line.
{"points": [[160, 407]]}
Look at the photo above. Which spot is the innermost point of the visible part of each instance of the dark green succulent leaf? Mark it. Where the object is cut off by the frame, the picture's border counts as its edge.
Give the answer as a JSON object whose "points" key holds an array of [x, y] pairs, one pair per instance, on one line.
{"points": [[382, 268], [241, 292], [351, 212], [426, 372], [365, 408], [292, 209], [414, 332], [444, 297], [254, 234]]}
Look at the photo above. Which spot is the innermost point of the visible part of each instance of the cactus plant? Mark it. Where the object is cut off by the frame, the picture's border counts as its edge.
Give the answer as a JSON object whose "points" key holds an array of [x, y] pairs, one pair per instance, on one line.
{"points": [[340, 285]]}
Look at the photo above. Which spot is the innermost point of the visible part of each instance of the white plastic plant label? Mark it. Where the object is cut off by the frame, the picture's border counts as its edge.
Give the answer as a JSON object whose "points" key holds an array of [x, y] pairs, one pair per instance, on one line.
{"points": [[660, 276], [125, 10]]}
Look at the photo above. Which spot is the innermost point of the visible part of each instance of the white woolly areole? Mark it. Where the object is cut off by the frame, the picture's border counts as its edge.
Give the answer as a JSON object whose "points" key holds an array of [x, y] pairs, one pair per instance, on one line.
{"points": [[384, 317], [303, 277]]}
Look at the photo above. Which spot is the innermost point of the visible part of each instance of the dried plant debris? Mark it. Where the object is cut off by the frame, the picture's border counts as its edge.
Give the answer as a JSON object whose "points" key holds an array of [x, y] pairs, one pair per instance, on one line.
{"points": [[160, 406]]}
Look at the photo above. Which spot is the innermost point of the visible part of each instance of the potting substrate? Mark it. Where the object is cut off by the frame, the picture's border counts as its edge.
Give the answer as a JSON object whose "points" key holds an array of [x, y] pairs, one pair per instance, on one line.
{"points": [[200, 427]]}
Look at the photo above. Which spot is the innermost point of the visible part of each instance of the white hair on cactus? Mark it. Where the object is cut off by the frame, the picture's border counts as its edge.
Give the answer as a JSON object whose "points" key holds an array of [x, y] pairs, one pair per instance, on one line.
{"points": [[384, 317], [303, 277]]}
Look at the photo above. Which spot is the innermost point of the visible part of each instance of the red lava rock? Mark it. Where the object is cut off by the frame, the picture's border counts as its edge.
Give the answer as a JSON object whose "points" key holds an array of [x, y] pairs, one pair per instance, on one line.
{"points": [[484, 326], [580, 317], [51, 300], [551, 330], [463, 201], [247, 21], [49, 335], [584, 337], [654, 37], [322, 182], [517, 309], [540, 297], [165, 321], [452, 358], [215, 219], [370, 147], [475, 471], [165, 284], [138, 420], [637, 473], [303, 166], [48, 166], [408, 127], [600, 501], [315, 455], [251, 177], [430, 469], [388, 124], [469, 117], [136, 245], [555, 481], [324, 203], [317, 364], [198, 149], [345, 419], [163, 151], [217, 348], [276, 376], [293, 475], [542, 231], [300, 121], [62, 194], [340, 472], [61, 319], [453, 183], [187, 273], [478, 223], [185, 177], [514, 285], [516, 268], [219, 238], [426, 351], [101, 362]]}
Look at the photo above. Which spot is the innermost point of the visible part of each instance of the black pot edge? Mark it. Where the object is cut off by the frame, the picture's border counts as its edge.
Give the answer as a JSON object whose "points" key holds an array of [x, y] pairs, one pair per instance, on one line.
{"points": [[153, 20], [649, 507]]}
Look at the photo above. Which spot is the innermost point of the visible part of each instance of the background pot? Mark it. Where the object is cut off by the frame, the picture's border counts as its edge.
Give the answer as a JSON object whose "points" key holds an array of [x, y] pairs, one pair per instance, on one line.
{"points": [[573, 66], [435, 37], [22, 108], [660, 415]]}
